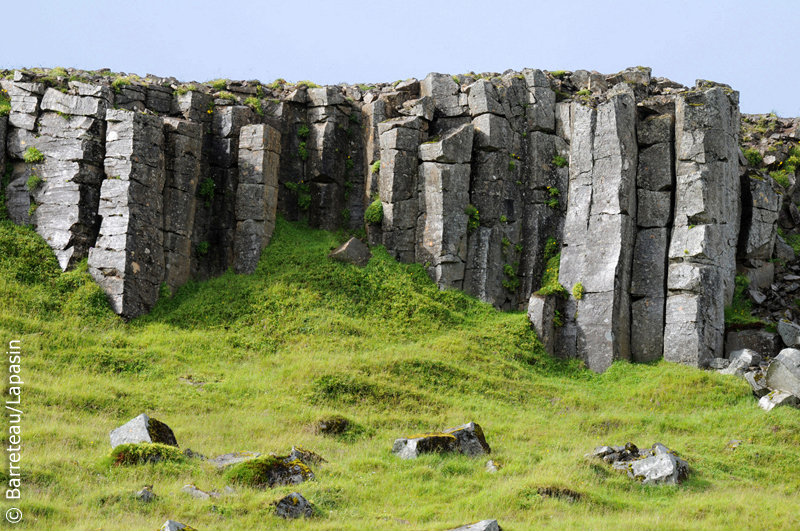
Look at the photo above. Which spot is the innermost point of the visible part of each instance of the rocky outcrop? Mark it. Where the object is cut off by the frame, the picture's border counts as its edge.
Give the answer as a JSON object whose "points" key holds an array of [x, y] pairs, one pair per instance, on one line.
{"points": [[143, 429], [657, 465], [637, 181], [467, 439]]}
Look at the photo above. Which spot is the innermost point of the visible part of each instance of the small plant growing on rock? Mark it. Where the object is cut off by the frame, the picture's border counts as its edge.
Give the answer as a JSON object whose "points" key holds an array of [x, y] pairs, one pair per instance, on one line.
{"points": [[267, 471], [511, 283], [753, 157], [32, 155], [206, 191], [577, 291], [558, 73], [226, 96], [32, 209], [303, 194], [302, 151], [34, 181], [584, 92], [376, 167], [303, 132], [120, 82], [219, 84], [560, 161], [202, 249], [5, 103], [183, 90], [473, 218], [374, 212], [255, 104], [503, 219]]}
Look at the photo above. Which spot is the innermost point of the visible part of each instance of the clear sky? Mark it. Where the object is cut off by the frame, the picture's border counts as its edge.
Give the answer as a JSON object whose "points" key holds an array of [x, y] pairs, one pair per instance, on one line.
{"points": [[749, 45]]}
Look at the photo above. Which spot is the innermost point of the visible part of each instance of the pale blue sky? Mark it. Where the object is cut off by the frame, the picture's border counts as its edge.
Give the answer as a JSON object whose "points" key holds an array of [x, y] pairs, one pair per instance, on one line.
{"points": [[751, 46]]}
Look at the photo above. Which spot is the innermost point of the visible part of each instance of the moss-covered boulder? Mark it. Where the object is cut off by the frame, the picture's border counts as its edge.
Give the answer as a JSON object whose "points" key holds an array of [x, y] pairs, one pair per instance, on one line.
{"points": [[142, 453], [467, 439], [269, 471]]}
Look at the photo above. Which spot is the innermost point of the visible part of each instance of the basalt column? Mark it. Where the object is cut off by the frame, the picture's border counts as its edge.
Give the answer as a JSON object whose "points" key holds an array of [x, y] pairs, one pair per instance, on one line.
{"points": [[444, 197], [128, 258], [184, 142], [655, 184], [400, 139], [600, 231], [702, 250], [257, 196], [65, 185]]}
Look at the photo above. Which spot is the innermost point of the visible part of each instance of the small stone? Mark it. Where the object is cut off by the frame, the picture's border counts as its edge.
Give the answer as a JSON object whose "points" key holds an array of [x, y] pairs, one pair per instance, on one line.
{"points": [[293, 506], [171, 525], [471, 440], [736, 368], [353, 251], [757, 381], [752, 358], [719, 364], [662, 468], [790, 333], [492, 466], [733, 444]]}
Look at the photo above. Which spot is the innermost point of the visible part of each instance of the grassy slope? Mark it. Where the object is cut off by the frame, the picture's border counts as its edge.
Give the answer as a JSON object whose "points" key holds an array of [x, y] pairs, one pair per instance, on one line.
{"points": [[305, 338]]}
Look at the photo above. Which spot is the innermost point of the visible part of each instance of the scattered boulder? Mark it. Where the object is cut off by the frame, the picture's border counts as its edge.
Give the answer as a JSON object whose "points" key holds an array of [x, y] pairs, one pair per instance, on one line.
{"points": [[353, 251], [751, 357], [718, 364], [790, 333], [471, 440], [234, 458], [145, 495], [171, 525], [412, 447], [777, 398], [737, 367], [269, 471], [761, 341], [492, 466], [333, 426], [483, 525], [143, 429], [757, 381], [293, 506], [784, 372], [198, 494], [466, 438], [655, 466]]}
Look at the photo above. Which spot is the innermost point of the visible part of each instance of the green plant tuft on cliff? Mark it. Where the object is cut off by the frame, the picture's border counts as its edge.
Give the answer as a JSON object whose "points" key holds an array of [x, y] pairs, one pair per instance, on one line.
{"points": [[202, 249], [180, 91], [560, 161], [473, 218], [376, 167], [32, 155], [219, 84], [303, 194], [226, 96], [552, 258], [303, 132], [578, 291], [33, 182], [120, 82], [781, 177], [753, 156], [255, 104], [738, 313], [374, 212], [206, 191], [558, 73], [307, 83], [5, 103], [302, 151]]}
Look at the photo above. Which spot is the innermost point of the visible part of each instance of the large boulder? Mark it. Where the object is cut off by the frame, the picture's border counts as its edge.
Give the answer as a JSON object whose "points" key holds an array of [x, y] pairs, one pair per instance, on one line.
{"points": [[765, 343], [293, 506], [790, 333], [353, 251], [471, 440], [784, 372], [143, 429], [662, 467]]}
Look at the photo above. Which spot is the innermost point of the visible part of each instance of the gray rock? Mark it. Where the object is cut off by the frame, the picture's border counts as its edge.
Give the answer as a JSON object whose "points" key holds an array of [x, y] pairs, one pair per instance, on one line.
{"points": [[492, 132], [324, 96], [655, 130], [353, 251], [783, 250], [663, 467], [765, 343], [752, 358], [777, 398], [789, 332], [226, 460], [143, 429], [94, 107], [757, 381], [764, 203], [492, 467], [412, 447], [196, 493], [445, 93], [471, 440], [737, 367], [647, 326], [423, 107], [171, 525], [719, 364], [541, 311], [655, 171], [293, 506], [483, 525], [784, 372], [654, 208], [454, 147], [483, 98], [145, 495]]}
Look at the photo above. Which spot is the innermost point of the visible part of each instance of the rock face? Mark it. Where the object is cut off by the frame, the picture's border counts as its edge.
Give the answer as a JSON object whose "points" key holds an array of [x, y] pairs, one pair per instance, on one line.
{"points": [[143, 429], [353, 251], [639, 184]]}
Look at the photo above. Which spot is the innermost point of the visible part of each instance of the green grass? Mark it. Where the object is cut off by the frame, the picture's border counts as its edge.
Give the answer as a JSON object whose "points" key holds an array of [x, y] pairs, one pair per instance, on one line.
{"points": [[5, 103], [738, 313], [254, 362]]}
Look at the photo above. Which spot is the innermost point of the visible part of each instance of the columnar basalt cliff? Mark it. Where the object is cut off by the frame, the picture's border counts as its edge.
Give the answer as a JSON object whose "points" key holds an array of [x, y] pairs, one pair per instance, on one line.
{"points": [[638, 182]]}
